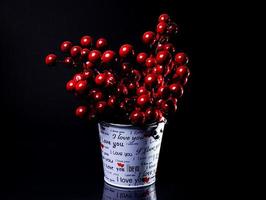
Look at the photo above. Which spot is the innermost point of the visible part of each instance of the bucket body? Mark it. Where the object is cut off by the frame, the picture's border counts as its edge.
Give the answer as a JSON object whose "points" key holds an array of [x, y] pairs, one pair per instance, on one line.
{"points": [[130, 154]]}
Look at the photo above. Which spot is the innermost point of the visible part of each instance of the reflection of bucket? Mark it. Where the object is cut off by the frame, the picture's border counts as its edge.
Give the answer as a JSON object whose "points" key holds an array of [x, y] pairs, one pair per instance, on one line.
{"points": [[113, 193], [130, 154]]}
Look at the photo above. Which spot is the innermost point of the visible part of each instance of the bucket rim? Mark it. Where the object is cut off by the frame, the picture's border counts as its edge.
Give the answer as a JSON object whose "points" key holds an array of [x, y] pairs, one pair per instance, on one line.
{"points": [[131, 125]]}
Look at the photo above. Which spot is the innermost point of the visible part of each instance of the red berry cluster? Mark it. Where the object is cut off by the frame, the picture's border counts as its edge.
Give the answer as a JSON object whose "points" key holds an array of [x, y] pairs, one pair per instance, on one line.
{"points": [[127, 86]]}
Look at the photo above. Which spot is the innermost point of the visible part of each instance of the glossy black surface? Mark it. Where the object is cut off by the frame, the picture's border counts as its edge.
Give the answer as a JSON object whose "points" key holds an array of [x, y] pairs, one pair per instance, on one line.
{"points": [[47, 152]]}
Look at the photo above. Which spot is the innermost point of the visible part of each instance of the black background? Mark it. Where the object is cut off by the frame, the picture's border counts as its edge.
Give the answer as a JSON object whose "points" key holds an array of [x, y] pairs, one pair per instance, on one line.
{"points": [[47, 152]]}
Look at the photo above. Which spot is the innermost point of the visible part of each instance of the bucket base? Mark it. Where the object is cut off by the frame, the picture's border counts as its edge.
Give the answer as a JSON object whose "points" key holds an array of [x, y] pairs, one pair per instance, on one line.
{"points": [[128, 186]]}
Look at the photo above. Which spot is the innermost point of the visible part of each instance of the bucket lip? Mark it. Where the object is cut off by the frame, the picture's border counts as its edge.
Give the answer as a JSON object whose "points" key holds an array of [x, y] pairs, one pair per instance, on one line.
{"points": [[129, 187], [131, 125]]}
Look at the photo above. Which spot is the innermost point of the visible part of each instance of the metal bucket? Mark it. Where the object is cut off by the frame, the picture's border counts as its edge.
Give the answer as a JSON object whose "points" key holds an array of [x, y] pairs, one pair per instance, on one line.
{"points": [[130, 154]]}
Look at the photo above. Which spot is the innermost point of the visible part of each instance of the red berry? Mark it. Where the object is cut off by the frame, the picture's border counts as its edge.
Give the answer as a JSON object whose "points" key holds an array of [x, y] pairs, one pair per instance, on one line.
{"points": [[65, 46], [111, 101], [181, 58], [176, 90], [100, 79], [159, 115], [70, 86], [137, 117], [122, 106], [183, 81], [88, 74], [143, 100], [151, 115], [100, 106], [110, 80], [163, 57], [126, 50], [86, 41], [161, 28], [84, 52], [101, 43], [142, 90], [130, 103], [68, 61], [148, 37], [159, 69], [172, 29], [165, 107], [81, 86], [160, 80], [172, 105], [78, 77], [136, 75], [92, 115], [75, 51], [181, 72], [93, 91], [150, 62], [160, 47], [126, 67], [50, 59], [122, 90], [175, 100], [81, 111], [150, 80], [163, 18], [98, 96], [141, 58], [108, 56], [132, 86], [88, 64], [94, 56], [169, 47], [163, 92], [160, 102]]}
